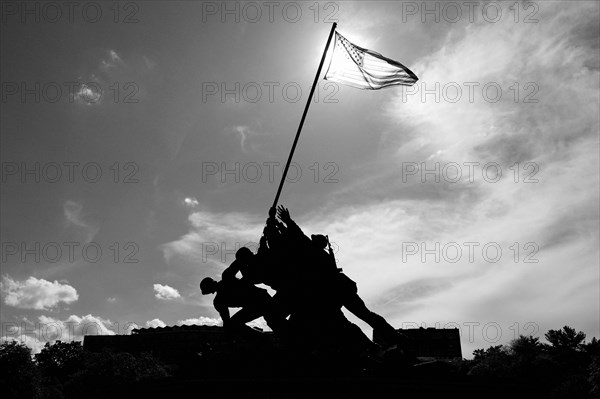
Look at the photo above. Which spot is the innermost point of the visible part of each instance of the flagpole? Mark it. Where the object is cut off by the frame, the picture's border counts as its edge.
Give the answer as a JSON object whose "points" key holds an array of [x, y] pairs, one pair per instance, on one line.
{"points": [[312, 90]]}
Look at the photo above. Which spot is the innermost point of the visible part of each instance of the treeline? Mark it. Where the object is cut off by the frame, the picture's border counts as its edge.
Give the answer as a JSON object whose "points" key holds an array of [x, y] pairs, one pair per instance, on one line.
{"points": [[565, 367], [64, 369]]}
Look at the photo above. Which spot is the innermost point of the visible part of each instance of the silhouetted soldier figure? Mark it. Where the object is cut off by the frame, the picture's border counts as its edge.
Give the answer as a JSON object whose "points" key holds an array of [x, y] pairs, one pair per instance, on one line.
{"points": [[273, 232], [339, 289], [274, 254], [235, 293], [248, 264], [265, 267], [317, 320]]}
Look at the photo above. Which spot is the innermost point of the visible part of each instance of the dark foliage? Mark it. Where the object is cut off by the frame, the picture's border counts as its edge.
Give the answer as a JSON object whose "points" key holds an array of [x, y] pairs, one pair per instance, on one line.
{"points": [[19, 377], [64, 369], [594, 376], [109, 372], [60, 359], [565, 340], [567, 367]]}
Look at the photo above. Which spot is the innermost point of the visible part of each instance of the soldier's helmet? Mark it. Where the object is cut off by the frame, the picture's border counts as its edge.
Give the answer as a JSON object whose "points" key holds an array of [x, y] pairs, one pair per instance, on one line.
{"points": [[206, 285], [243, 254], [319, 240]]}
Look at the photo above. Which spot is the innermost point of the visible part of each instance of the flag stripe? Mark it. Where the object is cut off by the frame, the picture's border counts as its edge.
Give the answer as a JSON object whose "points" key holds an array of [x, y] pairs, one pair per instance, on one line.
{"points": [[362, 76], [366, 85]]}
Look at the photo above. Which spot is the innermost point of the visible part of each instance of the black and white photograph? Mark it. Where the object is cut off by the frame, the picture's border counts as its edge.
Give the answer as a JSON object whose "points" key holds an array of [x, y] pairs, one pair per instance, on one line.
{"points": [[300, 199]]}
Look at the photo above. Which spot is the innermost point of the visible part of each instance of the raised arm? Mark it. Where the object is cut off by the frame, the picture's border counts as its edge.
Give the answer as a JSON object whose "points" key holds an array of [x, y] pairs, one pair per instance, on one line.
{"points": [[284, 214], [292, 227]]}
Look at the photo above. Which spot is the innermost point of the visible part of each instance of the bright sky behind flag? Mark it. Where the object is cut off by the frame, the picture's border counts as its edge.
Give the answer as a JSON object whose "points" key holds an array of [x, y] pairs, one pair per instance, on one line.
{"points": [[142, 142]]}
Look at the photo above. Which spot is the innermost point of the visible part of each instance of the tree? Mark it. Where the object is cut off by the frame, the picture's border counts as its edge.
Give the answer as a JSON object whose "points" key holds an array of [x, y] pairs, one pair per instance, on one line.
{"points": [[494, 362], [109, 372], [592, 348], [492, 351], [526, 347], [60, 359], [566, 367], [566, 339], [19, 377], [594, 376]]}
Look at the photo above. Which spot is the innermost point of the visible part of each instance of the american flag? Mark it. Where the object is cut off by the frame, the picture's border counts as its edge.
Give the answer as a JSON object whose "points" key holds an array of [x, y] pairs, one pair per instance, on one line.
{"points": [[365, 69]]}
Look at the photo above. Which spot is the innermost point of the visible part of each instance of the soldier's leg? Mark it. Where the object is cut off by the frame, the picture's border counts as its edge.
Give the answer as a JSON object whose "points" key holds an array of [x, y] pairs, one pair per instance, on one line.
{"points": [[245, 315], [355, 304], [260, 304], [276, 311], [348, 292]]}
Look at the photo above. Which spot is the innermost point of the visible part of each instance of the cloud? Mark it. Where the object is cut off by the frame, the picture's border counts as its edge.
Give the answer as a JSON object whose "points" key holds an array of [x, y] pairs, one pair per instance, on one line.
{"points": [[191, 202], [114, 57], [201, 321], [155, 323], [243, 132], [36, 293], [130, 326], [107, 68], [50, 329], [251, 139], [112, 60], [74, 327], [208, 232], [554, 62], [165, 292], [209, 321], [111, 299], [559, 213], [33, 343], [73, 213], [546, 88], [558, 287], [88, 94]]}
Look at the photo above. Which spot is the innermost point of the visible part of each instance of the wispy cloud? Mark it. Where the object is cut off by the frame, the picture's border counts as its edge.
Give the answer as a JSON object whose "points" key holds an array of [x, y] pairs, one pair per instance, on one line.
{"points": [[208, 228], [74, 216], [111, 60], [250, 139], [558, 212]]}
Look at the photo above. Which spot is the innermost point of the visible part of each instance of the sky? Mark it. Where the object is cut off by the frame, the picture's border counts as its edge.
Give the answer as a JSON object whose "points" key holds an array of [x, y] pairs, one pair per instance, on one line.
{"points": [[143, 142]]}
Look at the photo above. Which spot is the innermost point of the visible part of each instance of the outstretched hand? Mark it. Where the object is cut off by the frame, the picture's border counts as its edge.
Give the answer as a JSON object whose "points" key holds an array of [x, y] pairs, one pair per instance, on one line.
{"points": [[283, 214]]}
